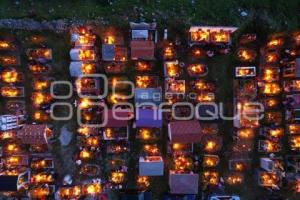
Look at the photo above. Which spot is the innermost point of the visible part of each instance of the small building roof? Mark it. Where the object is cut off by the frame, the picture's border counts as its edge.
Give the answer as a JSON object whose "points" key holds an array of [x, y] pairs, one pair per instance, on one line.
{"points": [[183, 183], [141, 49], [75, 69], [148, 95], [112, 122], [143, 26], [185, 131], [108, 52], [33, 134], [213, 28], [74, 54], [154, 167], [8, 183], [151, 118]]}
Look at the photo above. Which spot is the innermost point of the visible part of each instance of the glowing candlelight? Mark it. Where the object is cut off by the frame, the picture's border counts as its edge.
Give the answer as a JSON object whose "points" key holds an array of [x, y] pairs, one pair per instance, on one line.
{"points": [[117, 177]]}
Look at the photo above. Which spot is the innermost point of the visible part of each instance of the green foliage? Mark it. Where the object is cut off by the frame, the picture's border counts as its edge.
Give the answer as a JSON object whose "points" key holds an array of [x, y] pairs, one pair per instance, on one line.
{"points": [[277, 13]]}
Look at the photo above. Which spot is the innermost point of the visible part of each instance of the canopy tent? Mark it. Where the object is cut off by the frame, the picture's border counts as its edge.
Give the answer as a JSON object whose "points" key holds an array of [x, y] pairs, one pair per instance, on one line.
{"points": [[185, 131], [183, 183], [151, 118]]}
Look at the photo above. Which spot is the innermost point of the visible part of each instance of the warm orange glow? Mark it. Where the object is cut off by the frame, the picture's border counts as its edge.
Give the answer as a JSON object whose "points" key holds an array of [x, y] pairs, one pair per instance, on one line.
{"points": [[41, 84], [114, 81], [200, 36], [12, 148], [40, 98], [142, 66], [271, 102], [87, 116], [83, 131], [83, 40], [205, 97], [197, 52], [116, 97], [297, 38], [109, 132], [238, 166], [92, 189], [246, 55], [88, 68], [183, 164], [294, 128], [42, 178], [7, 135], [85, 154], [169, 52], [39, 53], [210, 177], [86, 54], [36, 69], [273, 117], [10, 76], [210, 161], [69, 192], [221, 36], [38, 164], [5, 44], [276, 133], [245, 72], [176, 86], [85, 103], [10, 92], [246, 133], [297, 84], [270, 74], [270, 146], [86, 39], [177, 146], [247, 110], [210, 146], [40, 192], [8, 60], [235, 179], [92, 141], [268, 179], [12, 160], [271, 57], [151, 149], [196, 69], [143, 181], [109, 39], [9, 172], [145, 133], [202, 85], [294, 143], [143, 81], [271, 88], [172, 69], [210, 129], [86, 84], [275, 42], [297, 182], [117, 177]]}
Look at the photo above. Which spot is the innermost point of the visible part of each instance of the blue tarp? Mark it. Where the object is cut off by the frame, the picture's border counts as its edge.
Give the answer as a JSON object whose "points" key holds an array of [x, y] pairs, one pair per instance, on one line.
{"points": [[151, 118], [148, 95]]}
